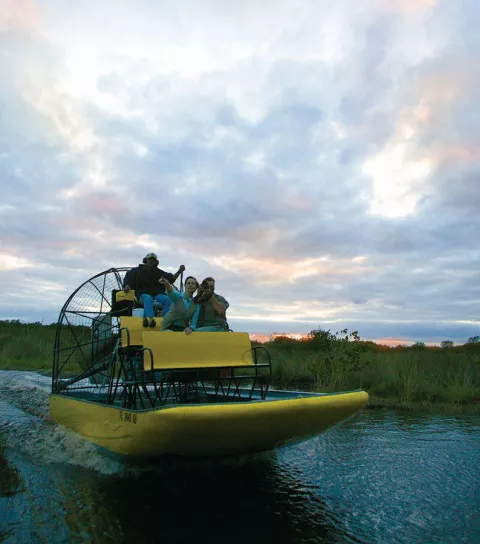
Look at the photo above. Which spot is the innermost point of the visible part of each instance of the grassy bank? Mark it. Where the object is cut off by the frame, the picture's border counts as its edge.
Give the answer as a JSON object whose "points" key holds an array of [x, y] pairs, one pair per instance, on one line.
{"points": [[402, 377], [26, 346]]}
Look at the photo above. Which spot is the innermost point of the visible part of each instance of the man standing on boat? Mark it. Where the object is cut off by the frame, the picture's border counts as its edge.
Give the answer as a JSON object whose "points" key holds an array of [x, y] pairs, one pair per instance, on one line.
{"points": [[145, 279], [213, 309]]}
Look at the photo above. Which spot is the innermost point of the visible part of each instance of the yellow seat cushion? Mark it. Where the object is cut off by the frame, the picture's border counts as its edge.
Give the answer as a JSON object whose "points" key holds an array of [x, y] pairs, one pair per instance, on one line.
{"points": [[198, 350], [135, 329]]}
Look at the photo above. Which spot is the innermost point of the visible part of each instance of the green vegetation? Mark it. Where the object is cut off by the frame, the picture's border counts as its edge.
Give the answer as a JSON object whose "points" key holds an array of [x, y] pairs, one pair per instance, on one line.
{"points": [[415, 376], [26, 346]]}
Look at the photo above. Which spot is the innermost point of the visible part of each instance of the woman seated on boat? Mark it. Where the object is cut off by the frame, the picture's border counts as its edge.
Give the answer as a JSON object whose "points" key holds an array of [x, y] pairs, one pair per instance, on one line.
{"points": [[183, 307], [211, 316]]}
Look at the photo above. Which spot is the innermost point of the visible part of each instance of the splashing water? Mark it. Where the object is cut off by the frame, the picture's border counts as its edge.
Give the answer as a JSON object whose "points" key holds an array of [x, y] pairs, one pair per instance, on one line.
{"points": [[26, 427]]}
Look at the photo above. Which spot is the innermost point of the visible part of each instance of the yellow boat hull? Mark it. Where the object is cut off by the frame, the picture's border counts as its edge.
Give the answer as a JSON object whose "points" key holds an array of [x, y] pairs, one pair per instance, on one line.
{"points": [[205, 430]]}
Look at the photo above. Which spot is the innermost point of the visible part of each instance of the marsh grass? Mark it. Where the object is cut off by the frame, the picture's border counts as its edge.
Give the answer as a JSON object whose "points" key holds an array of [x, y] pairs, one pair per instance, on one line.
{"points": [[26, 346], [290, 367], [432, 376], [406, 376]]}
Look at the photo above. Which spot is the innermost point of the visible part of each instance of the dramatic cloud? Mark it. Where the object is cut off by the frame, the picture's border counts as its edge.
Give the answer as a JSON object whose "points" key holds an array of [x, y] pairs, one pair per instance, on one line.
{"points": [[320, 159]]}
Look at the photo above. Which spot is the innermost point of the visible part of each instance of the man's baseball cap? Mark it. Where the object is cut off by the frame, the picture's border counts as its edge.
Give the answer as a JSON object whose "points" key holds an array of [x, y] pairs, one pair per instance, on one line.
{"points": [[151, 256]]}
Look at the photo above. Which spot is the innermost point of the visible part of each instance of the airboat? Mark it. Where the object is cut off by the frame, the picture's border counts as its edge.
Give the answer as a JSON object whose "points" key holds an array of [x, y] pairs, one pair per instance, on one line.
{"points": [[143, 393]]}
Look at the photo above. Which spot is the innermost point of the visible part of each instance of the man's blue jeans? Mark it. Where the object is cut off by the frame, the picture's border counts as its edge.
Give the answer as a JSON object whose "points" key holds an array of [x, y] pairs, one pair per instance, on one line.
{"points": [[147, 300]]}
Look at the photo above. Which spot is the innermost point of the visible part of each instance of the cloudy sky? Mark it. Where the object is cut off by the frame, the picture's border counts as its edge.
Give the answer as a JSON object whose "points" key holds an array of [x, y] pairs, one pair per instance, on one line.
{"points": [[320, 159]]}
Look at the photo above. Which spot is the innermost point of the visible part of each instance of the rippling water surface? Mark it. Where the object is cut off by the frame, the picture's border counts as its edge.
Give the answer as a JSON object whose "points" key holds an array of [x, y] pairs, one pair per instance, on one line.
{"points": [[380, 477]]}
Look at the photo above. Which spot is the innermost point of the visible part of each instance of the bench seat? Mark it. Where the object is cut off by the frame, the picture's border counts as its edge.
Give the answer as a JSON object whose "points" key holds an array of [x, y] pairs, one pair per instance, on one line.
{"points": [[171, 351]]}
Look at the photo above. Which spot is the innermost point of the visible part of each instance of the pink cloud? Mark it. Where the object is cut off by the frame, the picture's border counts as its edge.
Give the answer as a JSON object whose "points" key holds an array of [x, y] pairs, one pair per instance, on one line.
{"points": [[20, 14], [103, 203]]}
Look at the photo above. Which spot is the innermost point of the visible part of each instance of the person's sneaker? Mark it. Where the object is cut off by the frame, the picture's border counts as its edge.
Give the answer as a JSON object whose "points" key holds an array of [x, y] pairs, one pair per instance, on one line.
{"points": [[145, 322], [152, 323]]}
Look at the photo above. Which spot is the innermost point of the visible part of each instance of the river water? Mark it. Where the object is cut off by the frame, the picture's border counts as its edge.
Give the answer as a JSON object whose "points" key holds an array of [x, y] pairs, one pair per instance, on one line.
{"points": [[382, 476]]}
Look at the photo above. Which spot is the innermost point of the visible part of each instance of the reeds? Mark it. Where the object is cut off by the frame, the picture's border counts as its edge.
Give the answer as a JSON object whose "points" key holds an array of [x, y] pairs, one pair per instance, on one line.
{"points": [[26, 346], [407, 374]]}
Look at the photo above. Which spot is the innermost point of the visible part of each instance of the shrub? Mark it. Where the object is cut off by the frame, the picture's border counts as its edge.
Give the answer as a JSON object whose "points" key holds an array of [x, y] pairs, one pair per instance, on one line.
{"points": [[335, 356]]}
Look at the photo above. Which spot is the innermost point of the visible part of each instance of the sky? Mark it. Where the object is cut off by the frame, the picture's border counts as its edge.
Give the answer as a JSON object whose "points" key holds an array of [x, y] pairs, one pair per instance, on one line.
{"points": [[320, 159]]}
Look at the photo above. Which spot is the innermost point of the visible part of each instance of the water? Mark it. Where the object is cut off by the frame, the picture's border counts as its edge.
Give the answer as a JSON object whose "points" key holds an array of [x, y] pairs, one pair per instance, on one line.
{"points": [[381, 477]]}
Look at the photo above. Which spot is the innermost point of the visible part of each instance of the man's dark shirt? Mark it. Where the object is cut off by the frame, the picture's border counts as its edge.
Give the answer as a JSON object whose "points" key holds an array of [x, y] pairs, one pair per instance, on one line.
{"points": [[144, 279]]}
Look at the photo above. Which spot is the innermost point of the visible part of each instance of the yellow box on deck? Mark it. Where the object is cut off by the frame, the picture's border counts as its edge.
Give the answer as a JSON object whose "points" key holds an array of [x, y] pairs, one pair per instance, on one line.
{"points": [[121, 295], [198, 350], [136, 329]]}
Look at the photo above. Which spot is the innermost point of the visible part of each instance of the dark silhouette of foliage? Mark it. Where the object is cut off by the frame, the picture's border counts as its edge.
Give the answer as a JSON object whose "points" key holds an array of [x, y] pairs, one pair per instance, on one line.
{"points": [[337, 355]]}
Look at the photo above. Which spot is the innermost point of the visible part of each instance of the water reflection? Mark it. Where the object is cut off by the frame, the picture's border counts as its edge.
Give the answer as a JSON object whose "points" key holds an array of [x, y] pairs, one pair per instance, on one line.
{"points": [[254, 499], [10, 480], [235, 501]]}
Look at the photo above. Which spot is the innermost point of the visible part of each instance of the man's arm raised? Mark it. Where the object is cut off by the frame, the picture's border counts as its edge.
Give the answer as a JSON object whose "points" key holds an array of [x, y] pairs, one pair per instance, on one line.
{"points": [[178, 272], [218, 306]]}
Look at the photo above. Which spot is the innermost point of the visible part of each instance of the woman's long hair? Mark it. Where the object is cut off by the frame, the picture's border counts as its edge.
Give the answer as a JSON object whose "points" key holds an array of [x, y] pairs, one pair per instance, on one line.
{"points": [[196, 282]]}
